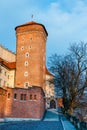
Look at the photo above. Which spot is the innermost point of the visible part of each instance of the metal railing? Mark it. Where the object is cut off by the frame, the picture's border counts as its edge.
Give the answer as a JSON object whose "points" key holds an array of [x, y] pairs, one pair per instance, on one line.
{"points": [[80, 125]]}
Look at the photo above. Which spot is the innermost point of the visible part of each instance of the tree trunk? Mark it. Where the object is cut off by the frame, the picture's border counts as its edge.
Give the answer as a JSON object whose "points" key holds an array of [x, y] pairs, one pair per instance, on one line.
{"points": [[70, 111]]}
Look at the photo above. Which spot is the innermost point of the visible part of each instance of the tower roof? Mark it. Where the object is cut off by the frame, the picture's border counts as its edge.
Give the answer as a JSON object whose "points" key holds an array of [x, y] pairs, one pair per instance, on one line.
{"points": [[32, 23]]}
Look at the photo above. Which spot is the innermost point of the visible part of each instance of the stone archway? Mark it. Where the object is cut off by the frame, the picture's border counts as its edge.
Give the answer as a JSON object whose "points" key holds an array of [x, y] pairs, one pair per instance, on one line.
{"points": [[53, 104]]}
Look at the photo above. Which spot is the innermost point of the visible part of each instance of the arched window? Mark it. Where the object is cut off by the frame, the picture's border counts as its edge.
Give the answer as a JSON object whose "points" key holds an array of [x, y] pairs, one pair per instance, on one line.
{"points": [[35, 97], [15, 96], [9, 95], [30, 96]]}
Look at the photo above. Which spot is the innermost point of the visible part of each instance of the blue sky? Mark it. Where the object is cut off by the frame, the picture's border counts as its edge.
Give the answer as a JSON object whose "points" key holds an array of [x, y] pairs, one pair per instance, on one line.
{"points": [[65, 21]]}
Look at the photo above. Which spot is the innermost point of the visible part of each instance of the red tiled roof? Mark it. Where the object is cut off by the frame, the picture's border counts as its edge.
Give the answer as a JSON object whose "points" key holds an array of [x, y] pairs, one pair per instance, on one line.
{"points": [[47, 72], [9, 65], [33, 23]]}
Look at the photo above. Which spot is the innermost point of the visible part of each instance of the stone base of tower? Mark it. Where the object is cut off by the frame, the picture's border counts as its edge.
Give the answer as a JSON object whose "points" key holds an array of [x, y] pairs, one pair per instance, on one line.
{"points": [[22, 104]]}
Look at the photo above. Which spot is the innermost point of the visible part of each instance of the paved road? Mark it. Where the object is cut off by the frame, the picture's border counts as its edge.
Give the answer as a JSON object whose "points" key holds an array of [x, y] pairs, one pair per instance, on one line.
{"points": [[50, 115], [35, 125], [50, 122]]}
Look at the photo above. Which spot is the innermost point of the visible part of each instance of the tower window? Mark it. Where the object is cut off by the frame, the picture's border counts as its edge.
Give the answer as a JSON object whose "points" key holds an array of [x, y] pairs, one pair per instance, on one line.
{"points": [[26, 63], [27, 54], [26, 84], [22, 48], [30, 46], [25, 74]]}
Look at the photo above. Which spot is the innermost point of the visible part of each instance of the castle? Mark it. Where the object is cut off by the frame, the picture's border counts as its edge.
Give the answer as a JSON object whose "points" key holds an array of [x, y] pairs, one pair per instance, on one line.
{"points": [[24, 76]]}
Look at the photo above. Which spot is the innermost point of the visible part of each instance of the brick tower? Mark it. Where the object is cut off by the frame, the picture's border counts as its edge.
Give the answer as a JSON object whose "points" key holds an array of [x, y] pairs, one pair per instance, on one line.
{"points": [[31, 55]]}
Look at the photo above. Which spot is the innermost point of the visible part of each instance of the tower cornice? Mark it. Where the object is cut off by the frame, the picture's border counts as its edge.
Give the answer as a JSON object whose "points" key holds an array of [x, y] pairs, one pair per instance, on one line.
{"points": [[32, 23]]}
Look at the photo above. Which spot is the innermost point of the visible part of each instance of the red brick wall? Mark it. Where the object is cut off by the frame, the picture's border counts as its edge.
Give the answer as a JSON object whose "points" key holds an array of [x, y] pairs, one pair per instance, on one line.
{"points": [[16, 108], [60, 102], [2, 102], [33, 36]]}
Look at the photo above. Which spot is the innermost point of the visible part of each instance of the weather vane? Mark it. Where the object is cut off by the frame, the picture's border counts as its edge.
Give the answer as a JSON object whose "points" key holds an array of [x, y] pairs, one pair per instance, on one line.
{"points": [[32, 16]]}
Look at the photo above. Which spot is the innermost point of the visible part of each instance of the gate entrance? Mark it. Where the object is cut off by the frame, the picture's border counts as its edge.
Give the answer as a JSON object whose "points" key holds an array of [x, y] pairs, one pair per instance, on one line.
{"points": [[52, 104]]}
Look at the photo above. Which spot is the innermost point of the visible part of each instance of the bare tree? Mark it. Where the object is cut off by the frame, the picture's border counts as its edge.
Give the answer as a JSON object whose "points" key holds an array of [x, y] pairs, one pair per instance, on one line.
{"points": [[71, 74]]}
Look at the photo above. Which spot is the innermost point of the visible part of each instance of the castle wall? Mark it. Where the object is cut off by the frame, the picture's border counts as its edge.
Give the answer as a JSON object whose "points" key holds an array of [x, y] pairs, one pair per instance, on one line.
{"points": [[2, 102], [23, 103]]}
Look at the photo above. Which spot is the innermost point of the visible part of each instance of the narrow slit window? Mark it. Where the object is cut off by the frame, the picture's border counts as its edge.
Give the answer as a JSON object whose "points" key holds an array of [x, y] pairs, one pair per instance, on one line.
{"points": [[21, 97], [15, 96], [30, 96], [9, 95], [35, 97], [24, 96]]}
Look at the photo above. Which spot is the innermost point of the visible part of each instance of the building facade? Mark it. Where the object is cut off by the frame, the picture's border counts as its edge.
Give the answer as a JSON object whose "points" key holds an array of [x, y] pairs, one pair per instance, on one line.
{"points": [[7, 74], [24, 76], [22, 104], [7, 67]]}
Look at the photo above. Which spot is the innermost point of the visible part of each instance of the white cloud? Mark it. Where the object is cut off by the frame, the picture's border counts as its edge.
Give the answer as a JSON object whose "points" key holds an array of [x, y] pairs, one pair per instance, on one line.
{"points": [[66, 27]]}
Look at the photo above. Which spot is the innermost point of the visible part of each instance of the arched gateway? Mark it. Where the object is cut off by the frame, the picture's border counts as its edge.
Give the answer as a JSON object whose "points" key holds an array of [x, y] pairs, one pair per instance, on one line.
{"points": [[53, 104]]}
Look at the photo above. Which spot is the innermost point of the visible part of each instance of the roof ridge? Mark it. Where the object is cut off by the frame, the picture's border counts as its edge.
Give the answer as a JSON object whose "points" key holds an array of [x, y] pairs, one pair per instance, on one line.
{"points": [[7, 49]]}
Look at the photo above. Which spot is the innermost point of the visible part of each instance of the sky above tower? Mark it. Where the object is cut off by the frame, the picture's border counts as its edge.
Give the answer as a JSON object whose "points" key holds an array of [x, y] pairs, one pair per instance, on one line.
{"points": [[65, 21]]}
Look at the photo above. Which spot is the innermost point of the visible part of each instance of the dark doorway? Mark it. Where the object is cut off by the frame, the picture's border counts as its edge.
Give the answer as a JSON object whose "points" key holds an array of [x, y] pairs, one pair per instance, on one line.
{"points": [[52, 104]]}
